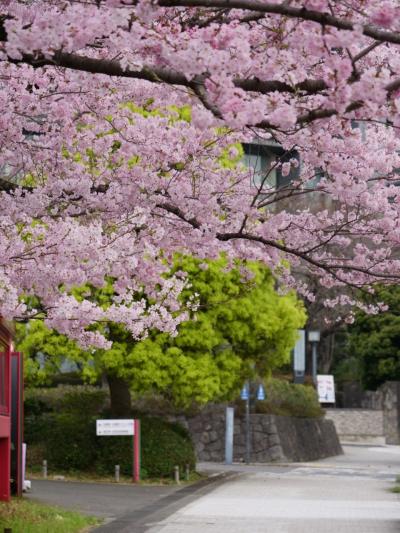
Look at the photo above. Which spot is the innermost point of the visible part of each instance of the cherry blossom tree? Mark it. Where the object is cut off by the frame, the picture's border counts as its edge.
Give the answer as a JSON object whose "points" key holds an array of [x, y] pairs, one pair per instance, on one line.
{"points": [[117, 115]]}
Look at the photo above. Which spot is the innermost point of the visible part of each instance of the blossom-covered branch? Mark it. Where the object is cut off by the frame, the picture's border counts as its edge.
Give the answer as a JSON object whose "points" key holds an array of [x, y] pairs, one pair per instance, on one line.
{"points": [[121, 145]]}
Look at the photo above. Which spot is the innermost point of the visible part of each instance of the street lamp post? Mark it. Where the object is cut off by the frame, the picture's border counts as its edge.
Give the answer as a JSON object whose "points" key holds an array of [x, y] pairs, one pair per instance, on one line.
{"points": [[314, 338]]}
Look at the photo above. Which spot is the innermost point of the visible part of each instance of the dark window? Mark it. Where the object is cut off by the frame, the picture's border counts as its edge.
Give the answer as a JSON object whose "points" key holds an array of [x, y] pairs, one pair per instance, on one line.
{"points": [[266, 163]]}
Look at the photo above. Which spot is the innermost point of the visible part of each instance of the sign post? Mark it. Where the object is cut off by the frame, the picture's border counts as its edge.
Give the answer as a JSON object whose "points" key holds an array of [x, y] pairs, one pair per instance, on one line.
{"points": [[314, 338], [245, 395], [136, 451], [127, 427]]}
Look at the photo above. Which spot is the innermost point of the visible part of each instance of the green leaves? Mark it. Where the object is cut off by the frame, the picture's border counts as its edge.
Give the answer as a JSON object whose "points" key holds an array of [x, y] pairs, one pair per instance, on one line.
{"points": [[373, 341], [242, 326]]}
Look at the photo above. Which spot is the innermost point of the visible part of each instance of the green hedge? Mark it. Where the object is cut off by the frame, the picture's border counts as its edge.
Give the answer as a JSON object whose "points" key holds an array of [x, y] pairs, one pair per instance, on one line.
{"points": [[163, 446], [65, 398], [64, 429], [289, 399]]}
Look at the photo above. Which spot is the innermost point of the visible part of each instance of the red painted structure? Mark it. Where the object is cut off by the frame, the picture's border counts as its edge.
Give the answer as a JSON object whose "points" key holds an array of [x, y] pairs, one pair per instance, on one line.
{"points": [[11, 415], [5, 410], [17, 422], [136, 451]]}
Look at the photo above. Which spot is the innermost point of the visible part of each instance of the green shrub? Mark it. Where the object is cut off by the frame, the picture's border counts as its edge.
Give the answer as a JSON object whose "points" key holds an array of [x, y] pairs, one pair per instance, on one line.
{"points": [[66, 398], [70, 442], [36, 428], [67, 441], [60, 421], [289, 399]]}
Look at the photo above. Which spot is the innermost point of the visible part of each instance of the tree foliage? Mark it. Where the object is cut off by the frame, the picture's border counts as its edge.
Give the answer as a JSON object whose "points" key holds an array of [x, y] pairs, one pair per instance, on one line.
{"points": [[241, 321], [372, 343]]}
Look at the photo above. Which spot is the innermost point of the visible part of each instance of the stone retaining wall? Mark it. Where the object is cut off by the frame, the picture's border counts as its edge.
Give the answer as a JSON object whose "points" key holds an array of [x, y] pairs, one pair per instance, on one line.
{"points": [[358, 425], [273, 438], [371, 425], [391, 411]]}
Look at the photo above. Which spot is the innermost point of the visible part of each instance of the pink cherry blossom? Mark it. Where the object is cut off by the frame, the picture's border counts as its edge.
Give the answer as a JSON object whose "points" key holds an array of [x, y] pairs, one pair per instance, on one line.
{"points": [[117, 121]]}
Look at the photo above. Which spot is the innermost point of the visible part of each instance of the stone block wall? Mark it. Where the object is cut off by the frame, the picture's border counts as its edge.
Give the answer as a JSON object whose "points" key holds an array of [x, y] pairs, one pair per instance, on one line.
{"points": [[358, 425], [372, 400], [373, 425], [266, 445], [273, 438]]}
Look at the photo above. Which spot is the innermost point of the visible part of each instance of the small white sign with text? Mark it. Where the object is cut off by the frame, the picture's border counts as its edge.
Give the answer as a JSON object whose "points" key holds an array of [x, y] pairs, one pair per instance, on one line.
{"points": [[110, 428], [326, 388]]}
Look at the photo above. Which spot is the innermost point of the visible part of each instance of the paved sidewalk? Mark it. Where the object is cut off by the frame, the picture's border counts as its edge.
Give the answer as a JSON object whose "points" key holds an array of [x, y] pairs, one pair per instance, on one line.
{"points": [[344, 494]]}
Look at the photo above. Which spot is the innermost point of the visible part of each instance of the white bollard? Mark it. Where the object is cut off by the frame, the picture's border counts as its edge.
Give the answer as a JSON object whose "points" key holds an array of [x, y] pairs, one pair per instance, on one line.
{"points": [[229, 424], [117, 473], [176, 474], [44, 469]]}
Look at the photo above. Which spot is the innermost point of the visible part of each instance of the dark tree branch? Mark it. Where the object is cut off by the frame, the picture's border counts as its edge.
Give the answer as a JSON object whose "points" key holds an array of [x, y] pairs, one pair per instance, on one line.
{"points": [[324, 19], [331, 269]]}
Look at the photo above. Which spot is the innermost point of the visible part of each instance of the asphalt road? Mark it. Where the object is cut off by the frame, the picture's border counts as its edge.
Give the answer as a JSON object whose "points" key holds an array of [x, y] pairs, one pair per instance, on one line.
{"points": [[105, 500], [346, 494]]}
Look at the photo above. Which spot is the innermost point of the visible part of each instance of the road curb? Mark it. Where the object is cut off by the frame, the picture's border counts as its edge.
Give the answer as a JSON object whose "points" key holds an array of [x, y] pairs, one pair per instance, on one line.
{"points": [[141, 520]]}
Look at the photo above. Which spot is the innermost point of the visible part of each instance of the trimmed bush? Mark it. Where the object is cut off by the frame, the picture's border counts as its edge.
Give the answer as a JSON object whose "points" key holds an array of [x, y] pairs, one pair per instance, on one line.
{"points": [[66, 398], [165, 445], [289, 399], [71, 442]]}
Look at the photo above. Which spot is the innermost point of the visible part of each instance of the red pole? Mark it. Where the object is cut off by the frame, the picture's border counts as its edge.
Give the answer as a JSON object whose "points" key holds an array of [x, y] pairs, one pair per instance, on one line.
{"points": [[136, 451]]}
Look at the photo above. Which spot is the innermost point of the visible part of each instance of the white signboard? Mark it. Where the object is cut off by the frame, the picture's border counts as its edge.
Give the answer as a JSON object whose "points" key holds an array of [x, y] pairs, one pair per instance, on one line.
{"points": [[299, 358], [326, 388], [109, 428]]}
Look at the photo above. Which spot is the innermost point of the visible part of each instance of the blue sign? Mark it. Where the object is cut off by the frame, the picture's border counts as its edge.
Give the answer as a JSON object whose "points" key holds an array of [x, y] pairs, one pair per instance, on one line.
{"points": [[260, 393], [244, 394]]}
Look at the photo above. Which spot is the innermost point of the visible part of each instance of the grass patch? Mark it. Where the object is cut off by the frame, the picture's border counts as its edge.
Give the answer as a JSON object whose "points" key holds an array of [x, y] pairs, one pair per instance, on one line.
{"points": [[26, 516], [396, 489]]}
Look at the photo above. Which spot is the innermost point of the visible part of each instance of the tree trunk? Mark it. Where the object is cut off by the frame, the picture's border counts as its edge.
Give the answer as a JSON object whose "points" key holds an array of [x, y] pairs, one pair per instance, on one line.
{"points": [[120, 397], [326, 354]]}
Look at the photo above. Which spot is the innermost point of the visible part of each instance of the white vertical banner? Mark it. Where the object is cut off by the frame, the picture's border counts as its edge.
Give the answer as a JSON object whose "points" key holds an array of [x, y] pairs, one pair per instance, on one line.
{"points": [[299, 357], [23, 463]]}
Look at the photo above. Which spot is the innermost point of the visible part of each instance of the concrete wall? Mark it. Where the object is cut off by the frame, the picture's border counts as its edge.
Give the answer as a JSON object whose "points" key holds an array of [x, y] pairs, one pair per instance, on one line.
{"points": [[273, 438]]}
